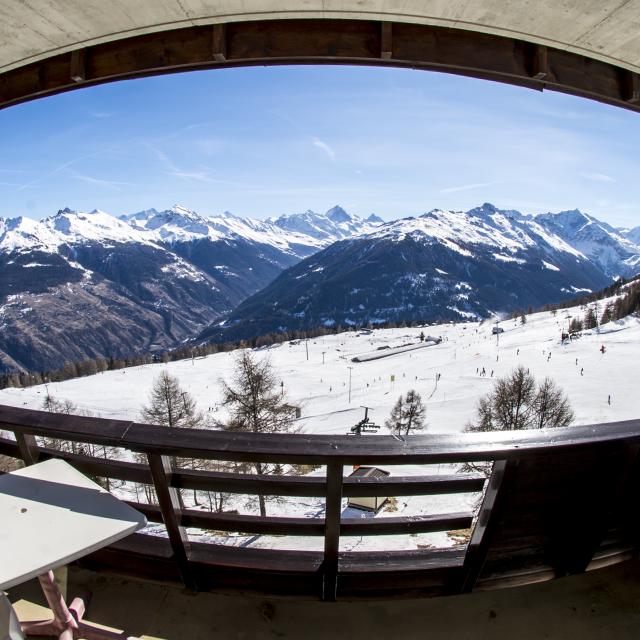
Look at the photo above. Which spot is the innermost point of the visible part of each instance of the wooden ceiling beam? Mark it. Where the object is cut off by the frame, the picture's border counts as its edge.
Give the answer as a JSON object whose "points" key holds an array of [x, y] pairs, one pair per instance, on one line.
{"points": [[325, 41]]}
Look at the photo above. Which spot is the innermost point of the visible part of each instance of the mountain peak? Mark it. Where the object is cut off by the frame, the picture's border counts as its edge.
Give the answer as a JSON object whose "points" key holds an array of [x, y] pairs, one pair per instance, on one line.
{"points": [[375, 219], [486, 209], [338, 214]]}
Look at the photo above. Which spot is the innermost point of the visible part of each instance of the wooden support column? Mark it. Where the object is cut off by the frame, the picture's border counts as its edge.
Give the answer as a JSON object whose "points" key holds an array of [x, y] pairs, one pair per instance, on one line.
{"points": [[219, 46], [488, 516], [28, 448], [631, 88], [386, 40], [169, 502], [77, 72], [333, 509], [540, 63]]}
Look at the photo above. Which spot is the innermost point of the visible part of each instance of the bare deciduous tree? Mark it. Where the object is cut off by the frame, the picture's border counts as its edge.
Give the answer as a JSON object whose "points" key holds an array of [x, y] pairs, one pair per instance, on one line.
{"points": [[515, 402], [407, 414], [169, 405]]}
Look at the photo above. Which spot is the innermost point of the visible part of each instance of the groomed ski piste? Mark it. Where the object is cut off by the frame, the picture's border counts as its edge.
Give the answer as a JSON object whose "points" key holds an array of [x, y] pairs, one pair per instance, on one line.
{"points": [[586, 374]]}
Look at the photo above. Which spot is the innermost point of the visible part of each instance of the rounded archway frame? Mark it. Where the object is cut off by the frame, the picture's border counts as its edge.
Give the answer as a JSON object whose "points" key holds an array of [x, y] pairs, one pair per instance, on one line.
{"points": [[326, 41]]}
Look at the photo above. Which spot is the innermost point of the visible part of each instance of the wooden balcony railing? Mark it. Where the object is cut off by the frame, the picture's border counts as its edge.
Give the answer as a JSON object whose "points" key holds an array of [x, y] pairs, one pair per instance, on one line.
{"points": [[557, 502]]}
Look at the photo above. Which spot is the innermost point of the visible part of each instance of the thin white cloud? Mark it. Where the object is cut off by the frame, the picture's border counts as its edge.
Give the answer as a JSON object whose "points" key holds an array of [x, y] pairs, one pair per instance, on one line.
{"points": [[598, 177], [198, 176], [106, 184], [58, 169], [171, 169], [331, 154], [469, 187]]}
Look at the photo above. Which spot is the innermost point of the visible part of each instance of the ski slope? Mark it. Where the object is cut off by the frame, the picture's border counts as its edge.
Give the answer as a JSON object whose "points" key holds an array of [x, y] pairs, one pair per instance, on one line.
{"points": [[587, 376]]}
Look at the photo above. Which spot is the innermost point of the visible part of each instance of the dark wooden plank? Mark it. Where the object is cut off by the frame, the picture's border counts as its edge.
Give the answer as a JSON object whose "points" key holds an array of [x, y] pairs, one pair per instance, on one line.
{"points": [[333, 508], [219, 44], [539, 62], [78, 72], [237, 522], [170, 505], [405, 525], [412, 485], [152, 512], [387, 562], [9, 448], [64, 427], [310, 526], [386, 40], [248, 558], [631, 87], [253, 484], [301, 448], [317, 449], [28, 448], [108, 468], [253, 524], [490, 510], [576, 529]]}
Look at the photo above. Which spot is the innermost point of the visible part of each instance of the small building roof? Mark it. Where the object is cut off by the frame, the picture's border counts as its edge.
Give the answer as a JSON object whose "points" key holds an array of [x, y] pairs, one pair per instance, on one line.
{"points": [[369, 472]]}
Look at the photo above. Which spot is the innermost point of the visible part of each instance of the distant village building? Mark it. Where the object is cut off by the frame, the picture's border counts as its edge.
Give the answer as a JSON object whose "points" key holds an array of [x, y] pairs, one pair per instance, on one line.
{"points": [[373, 503]]}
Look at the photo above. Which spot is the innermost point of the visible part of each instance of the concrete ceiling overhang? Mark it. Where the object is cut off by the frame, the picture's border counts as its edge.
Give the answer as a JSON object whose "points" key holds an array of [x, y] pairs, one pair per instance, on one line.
{"points": [[586, 47]]}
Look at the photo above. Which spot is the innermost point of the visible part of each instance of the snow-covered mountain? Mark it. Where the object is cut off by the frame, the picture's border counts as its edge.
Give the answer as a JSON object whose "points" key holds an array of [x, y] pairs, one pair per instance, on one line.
{"points": [[298, 234], [615, 251], [81, 284], [632, 234], [335, 224], [441, 265]]}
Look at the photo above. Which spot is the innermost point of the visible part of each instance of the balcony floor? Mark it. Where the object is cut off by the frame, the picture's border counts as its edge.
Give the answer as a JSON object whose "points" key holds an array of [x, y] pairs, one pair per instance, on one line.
{"points": [[600, 604]]}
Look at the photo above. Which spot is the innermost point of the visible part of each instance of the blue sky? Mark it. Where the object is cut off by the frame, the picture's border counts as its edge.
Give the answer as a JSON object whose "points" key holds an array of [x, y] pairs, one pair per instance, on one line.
{"points": [[265, 141]]}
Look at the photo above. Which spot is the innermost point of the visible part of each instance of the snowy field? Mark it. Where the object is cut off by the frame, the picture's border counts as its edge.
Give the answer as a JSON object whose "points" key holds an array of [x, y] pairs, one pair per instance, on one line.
{"points": [[587, 376]]}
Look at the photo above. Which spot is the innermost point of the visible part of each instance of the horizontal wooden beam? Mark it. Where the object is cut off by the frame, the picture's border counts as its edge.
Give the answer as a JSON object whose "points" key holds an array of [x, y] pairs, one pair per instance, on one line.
{"points": [[323, 41], [285, 526], [404, 525], [317, 449]]}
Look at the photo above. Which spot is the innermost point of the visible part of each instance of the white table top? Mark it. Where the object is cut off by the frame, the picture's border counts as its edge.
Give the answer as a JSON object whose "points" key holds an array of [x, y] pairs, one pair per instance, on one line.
{"points": [[50, 515]]}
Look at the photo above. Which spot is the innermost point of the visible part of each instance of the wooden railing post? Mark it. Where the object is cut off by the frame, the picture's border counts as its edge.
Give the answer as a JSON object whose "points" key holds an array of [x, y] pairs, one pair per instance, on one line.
{"points": [[169, 502], [501, 475], [28, 448], [333, 509]]}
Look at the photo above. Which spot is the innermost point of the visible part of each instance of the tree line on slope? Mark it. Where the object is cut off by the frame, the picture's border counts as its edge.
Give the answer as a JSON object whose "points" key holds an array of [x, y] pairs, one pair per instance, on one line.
{"points": [[625, 305], [91, 366]]}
